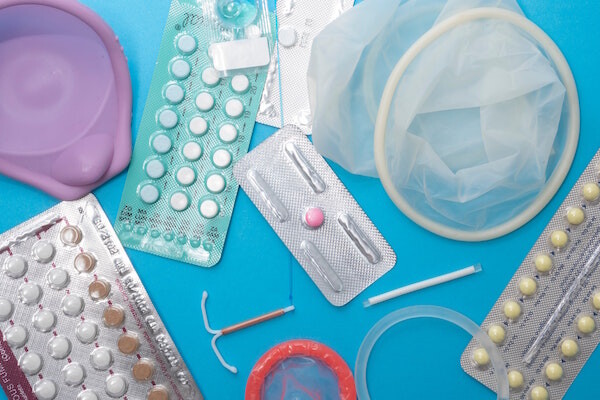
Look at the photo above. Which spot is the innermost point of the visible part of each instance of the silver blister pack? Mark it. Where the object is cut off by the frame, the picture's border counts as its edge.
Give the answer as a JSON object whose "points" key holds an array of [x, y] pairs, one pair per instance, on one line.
{"points": [[313, 213], [546, 320], [299, 21], [75, 319]]}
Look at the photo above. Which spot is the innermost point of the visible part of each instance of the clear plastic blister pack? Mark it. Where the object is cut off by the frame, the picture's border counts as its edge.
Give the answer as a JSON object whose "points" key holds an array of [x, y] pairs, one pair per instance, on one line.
{"points": [[545, 323], [314, 214], [75, 319], [285, 97], [180, 192]]}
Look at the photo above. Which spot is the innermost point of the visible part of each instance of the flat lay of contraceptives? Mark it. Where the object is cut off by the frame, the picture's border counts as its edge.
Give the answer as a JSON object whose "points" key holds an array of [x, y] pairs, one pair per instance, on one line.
{"points": [[487, 347], [438, 280], [449, 152], [300, 369], [545, 323], [313, 213], [65, 97], [298, 23], [75, 320], [217, 333], [241, 39], [180, 192]]}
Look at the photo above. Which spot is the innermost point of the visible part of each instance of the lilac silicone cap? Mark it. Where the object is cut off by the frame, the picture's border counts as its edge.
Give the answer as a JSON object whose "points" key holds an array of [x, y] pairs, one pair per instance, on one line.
{"points": [[65, 97]]}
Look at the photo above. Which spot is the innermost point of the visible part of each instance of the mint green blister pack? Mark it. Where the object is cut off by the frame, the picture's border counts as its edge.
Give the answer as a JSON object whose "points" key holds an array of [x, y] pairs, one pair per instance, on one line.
{"points": [[197, 123]]}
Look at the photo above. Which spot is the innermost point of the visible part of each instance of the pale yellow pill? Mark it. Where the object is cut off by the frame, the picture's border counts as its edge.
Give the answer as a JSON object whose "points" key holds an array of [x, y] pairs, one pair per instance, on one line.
{"points": [[596, 301], [554, 371], [538, 393], [512, 309], [569, 348], [575, 216], [586, 324], [527, 286], [591, 191], [543, 263], [481, 357], [515, 379], [559, 239], [496, 333]]}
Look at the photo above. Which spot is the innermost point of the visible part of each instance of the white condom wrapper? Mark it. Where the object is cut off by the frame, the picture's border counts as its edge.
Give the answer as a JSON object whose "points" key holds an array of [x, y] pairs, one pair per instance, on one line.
{"points": [[478, 123]]}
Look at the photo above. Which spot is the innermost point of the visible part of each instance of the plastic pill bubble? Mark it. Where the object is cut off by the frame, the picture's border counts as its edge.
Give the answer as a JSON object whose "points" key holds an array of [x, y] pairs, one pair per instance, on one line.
{"points": [[512, 310], [15, 267], [57, 278], [221, 158], [240, 83], [155, 169], [591, 191], [215, 183], [113, 316], [99, 290], [209, 209], [30, 293], [180, 69], [85, 262], [43, 251], [73, 374], [192, 151], [16, 336], [596, 301], [86, 332], [210, 76], [149, 194], [287, 36], [179, 201], [559, 239], [553, 371], [158, 393], [481, 357], [143, 370], [496, 333], [161, 144], [168, 119], [205, 101], [543, 263], [575, 216], [6, 309], [228, 133], [527, 286], [569, 348], [101, 358], [88, 395], [31, 363], [71, 235], [116, 386], [586, 324], [44, 320], [45, 389], [515, 379], [128, 343], [198, 126], [185, 176], [186, 44], [174, 93], [72, 305], [234, 108], [59, 347], [538, 393]]}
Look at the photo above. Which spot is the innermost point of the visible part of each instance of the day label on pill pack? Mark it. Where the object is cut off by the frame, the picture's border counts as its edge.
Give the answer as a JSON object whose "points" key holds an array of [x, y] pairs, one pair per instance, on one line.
{"points": [[546, 322], [75, 320], [180, 191]]}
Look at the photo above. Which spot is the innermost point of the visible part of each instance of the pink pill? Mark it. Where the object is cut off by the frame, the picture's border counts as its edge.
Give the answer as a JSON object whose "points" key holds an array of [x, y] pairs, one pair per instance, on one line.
{"points": [[314, 217]]}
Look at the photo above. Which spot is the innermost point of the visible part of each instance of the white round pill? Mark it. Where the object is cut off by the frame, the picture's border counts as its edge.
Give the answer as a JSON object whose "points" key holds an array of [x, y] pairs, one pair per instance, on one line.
{"points": [[180, 69], [15, 266], [210, 76], [72, 305], [31, 363], [116, 386], [481, 357], [497, 333], [575, 216], [586, 324], [16, 336], [6, 309], [287, 36], [43, 251], [512, 310], [88, 395], [228, 133], [215, 183], [591, 191], [538, 393], [515, 379], [168, 119], [209, 209], [192, 151], [161, 144], [240, 83], [71, 235], [205, 101], [185, 176], [57, 278], [527, 286], [186, 44], [101, 358], [149, 194], [221, 158], [87, 332], [553, 371], [543, 263], [198, 126], [45, 389], [179, 201], [59, 347], [234, 108], [155, 169], [569, 348], [174, 93], [44, 320], [595, 301], [559, 239], [73, 374], [30, 293]]}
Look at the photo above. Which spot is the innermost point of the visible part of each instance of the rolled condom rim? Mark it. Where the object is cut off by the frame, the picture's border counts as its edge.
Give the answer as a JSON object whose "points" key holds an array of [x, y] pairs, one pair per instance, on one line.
{"points": [[563, 166]]}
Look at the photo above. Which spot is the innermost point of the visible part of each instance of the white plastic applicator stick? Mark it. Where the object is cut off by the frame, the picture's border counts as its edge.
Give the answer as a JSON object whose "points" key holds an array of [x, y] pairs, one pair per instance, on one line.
{"points": [[422, 285]]}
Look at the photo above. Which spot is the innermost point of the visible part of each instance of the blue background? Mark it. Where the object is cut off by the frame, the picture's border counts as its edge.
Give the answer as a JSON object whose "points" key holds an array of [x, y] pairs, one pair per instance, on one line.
{"points": [[416, 360]]}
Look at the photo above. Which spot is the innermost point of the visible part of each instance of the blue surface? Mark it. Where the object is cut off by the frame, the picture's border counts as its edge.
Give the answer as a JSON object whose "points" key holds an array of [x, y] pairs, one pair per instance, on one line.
{"points": [[416, 360]]}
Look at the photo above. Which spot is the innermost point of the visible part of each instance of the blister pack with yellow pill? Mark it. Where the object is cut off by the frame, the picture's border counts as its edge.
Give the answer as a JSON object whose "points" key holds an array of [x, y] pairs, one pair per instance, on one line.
{"points": [[546, 322]]}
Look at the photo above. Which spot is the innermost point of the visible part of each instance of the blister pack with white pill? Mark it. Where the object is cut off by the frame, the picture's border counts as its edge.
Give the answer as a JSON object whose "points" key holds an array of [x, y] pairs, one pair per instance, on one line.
{"points": [[546, 320], [285, 97], [180, 192], [75, 319], [313, 213]]}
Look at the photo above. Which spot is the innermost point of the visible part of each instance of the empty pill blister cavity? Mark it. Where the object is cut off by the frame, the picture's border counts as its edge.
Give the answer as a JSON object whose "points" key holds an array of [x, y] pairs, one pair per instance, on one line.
{"points": [[314, 215], [546, 320], [196, 125], [75, 319]]}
